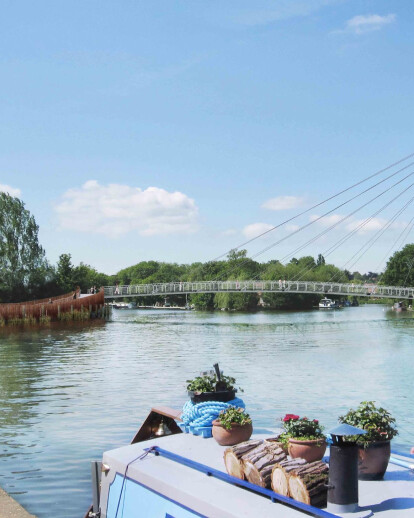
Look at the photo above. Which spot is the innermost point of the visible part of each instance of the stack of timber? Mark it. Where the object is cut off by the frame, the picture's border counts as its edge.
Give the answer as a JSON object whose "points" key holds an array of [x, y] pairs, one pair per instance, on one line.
{"points": [[233, 457], [280, 475], [265, 464], [303, 481], [254, 459], [258, 463]]}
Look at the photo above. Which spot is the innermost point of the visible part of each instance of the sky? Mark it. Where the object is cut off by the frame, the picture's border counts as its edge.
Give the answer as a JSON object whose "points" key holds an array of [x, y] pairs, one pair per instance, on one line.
{"points": [[177, 130]]}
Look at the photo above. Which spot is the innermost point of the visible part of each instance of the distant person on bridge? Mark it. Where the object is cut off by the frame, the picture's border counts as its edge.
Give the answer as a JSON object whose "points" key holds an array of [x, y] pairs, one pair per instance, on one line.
{"points": [[284, 284], [280, 284], [116, 289]]}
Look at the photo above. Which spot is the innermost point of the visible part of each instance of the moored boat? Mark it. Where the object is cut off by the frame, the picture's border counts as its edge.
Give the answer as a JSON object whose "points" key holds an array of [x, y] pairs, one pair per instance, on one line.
{"points": [[326, 303], [399, 306], [166, 473]]}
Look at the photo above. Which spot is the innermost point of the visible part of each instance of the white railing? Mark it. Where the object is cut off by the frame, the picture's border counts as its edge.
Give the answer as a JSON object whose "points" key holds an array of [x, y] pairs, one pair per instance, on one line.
{"points": [[325, 288]]}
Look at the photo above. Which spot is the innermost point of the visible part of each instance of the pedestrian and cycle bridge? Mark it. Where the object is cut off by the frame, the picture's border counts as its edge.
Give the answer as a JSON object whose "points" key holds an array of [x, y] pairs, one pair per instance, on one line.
{"points": [[256, 286]]}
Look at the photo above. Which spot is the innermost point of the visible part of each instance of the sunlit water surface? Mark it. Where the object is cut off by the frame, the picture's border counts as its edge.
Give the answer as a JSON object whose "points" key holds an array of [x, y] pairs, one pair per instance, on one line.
{"points": [[68, 394]]}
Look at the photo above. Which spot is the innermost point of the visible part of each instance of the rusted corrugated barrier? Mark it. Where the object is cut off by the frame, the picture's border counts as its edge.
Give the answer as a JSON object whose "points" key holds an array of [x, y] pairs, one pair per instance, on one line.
{"points": [[70, 306]]}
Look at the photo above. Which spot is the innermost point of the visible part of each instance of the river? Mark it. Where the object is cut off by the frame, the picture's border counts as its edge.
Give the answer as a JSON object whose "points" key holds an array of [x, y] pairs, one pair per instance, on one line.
{"points": [[69, 393]]}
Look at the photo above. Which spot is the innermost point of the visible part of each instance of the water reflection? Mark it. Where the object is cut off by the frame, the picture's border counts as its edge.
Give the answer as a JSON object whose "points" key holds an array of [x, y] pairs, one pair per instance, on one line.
{"points": [[67, 394]]}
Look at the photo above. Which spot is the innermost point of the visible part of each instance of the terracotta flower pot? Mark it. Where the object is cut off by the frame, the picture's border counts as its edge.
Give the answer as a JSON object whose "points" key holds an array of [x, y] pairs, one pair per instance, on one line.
{"points": [[238, 433], [309, 450], [373, 460]]}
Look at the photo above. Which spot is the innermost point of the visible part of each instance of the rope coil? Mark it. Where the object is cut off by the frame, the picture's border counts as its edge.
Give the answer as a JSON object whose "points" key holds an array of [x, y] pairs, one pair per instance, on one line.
{"points": [[203, 414]]}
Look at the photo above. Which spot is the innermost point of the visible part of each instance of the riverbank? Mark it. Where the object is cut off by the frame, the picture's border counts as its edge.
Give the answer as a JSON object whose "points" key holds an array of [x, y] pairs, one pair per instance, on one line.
{"points": [[9, 508]]}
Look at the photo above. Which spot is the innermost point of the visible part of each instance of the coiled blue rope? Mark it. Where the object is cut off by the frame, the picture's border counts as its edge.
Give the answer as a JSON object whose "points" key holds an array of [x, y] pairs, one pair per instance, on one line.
{"points": [[203, 414]]}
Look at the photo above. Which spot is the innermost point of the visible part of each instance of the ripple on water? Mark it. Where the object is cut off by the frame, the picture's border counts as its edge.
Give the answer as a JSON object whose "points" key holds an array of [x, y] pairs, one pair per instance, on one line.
{"points": [[66, 395]]}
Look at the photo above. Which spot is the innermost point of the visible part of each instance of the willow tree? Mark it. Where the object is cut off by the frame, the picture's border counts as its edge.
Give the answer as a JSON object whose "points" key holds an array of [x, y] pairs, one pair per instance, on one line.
{"points": [[23, 266]]}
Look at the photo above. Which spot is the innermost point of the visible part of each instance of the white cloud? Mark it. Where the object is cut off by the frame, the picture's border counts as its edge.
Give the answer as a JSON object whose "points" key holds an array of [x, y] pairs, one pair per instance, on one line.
{"points": [[117, 209], [362, 24], [350, 224], [292, 228], [327, 221], [13, 191], [283, 203], [373, 225], [255, 229]]}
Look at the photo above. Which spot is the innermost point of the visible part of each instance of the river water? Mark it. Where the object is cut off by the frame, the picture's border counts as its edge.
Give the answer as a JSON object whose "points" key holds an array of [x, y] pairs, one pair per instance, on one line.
{"points": [[68, 394]]}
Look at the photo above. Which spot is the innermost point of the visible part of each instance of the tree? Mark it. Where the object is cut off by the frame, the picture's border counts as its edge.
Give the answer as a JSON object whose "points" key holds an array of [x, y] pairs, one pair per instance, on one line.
{"points": [[400, 268], [22, 259], [64, 273], [321, 260], [86, 277], [235, 254]]}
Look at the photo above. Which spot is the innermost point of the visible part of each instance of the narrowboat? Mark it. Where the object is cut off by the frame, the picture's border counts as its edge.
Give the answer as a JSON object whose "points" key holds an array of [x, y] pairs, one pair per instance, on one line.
{"points": [[165, 473]]}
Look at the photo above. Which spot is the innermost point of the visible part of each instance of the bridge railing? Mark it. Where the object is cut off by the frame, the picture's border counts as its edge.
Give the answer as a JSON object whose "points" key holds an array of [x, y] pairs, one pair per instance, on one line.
{"points": [[257, 286]]}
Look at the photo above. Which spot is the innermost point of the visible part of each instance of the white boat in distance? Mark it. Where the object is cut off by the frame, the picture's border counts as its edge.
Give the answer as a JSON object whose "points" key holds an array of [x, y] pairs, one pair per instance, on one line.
{"points": [[328, 304]]}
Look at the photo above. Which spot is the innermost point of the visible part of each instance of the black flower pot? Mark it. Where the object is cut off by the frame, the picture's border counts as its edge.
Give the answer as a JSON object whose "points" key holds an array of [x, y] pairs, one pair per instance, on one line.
{"points": [[223, 395]]}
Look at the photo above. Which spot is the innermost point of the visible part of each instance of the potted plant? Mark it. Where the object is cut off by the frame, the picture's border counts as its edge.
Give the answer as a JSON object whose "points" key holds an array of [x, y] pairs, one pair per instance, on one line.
{"points": [[303, 437], [232, 426], [212, 387], [375, 445]]}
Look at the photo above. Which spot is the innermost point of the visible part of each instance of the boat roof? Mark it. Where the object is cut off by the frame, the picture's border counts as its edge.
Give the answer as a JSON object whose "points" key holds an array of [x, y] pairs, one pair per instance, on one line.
{"points": [[209, 496]]}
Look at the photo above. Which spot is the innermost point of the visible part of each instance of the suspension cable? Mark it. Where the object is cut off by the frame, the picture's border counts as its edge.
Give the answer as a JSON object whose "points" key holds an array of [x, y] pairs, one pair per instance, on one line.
{"points": [[321, 217], [376, 236], [347, 236], [319, 204], [409, 226], [321, 234]]}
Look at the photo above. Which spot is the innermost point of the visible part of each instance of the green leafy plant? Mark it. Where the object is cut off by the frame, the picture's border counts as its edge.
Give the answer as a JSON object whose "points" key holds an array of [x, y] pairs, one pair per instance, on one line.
{"points": [[233, 415], [300, 428], [207, 383], [44, 319], [29, 321], [15, 321], [378, 422]]}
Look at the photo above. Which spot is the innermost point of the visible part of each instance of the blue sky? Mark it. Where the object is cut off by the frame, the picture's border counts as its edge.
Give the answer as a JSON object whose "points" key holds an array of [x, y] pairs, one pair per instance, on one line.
{"points": [[176, 130]]}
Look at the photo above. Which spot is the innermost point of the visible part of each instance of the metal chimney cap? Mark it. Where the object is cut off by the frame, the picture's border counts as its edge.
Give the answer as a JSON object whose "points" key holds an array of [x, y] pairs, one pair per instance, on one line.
{"points": [[346, 429]]}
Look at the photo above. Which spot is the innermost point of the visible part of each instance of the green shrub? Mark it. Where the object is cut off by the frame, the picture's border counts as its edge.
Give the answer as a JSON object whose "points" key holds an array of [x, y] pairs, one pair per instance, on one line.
{"points": [[65, 316], [301, 428], [233, 415], [82, 314], [207, 383], [15, 321], [29, 321], [378, 422]]}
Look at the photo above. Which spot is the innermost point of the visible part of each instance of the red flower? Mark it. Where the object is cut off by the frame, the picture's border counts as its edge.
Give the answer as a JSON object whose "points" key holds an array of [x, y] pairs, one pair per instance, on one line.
{"points": [[316, 421], [290, 417]]}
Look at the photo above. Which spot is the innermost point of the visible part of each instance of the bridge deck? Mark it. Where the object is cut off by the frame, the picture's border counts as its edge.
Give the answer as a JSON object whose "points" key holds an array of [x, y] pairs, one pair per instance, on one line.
{"points": [[324, 288]]}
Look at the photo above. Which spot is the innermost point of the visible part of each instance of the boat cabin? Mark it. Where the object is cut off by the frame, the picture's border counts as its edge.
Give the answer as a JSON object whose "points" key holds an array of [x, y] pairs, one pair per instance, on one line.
{"points": [[181, 475]]}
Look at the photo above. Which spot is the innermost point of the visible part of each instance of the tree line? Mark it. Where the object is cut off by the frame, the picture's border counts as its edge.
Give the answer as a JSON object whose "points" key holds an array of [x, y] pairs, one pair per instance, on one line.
{"points": [[26, 274]]}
